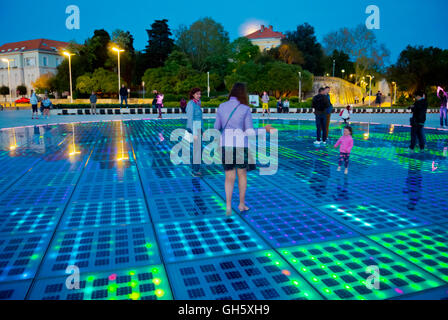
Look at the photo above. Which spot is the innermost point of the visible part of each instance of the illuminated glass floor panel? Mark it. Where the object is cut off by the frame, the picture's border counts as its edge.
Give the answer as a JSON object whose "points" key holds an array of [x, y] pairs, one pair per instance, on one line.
{"points": [[145, 283], [291, 227], [339, 270], [262, 275], [100, 249], [119, 205], [104, 213], [204, 238], [426, 247]]}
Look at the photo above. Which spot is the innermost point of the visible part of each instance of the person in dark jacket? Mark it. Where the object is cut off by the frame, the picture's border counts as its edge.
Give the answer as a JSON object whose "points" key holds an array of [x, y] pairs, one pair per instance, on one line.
{"points": [[279, 105], [329, 111], [183, 105], [93, 100], [418, 121], [320, 105], [123, 95]]}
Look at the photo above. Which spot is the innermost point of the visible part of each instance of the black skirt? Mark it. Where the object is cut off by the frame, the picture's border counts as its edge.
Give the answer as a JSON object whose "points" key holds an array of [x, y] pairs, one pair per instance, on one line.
{"points": [[240, 159]]}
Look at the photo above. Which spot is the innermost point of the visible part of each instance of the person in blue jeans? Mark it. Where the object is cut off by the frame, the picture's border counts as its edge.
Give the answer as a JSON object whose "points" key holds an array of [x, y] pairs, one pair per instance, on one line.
{"points": [[418, 121], [194, 126], [443, 96], [320, 105], [123, 95]]}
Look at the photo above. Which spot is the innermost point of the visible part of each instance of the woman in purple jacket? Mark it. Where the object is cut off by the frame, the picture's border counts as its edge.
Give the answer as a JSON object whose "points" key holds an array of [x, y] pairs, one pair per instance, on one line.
{"points": [[232, 115]]}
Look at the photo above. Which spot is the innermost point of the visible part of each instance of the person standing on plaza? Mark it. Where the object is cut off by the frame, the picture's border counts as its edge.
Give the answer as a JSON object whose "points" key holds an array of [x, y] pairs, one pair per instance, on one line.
{"points": [[378, 98], [123, 95], [279, 105], [160, 104], [183, 105], [329, 111], [46, 104], [93, 100], [194, 127], [265, 101], [443, 96], [320, 104], [346, 144], [418, 121], [34, 101], [233, 119], [345, 114]]}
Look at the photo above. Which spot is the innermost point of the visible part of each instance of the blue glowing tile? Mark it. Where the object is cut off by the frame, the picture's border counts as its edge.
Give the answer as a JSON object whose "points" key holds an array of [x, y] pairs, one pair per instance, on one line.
{"points": [[165, 172], [185, 205], [14, 290], [262, 275], [32, 196], [21, 255], [440, 293], [101, 249], [81, 215], [28, 220], [107, 192], [371, 217], [193, 239], [261, 200], [109, 176], [48, 178], [143, 283], [289, 227], [159, 187]]}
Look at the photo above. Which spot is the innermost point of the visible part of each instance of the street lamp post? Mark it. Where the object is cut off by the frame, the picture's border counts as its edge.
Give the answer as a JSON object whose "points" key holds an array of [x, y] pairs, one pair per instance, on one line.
{"points": [[9, 79], [300, 86], [208, 84], [334, 64], [117, 50], [143, 85], [343, 72], [370, 87], [395, 92], [69, 55]]}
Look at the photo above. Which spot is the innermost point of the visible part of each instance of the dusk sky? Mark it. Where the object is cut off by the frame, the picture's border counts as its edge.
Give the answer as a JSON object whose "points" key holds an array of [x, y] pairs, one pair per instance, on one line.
{"points": [[412, 22]]}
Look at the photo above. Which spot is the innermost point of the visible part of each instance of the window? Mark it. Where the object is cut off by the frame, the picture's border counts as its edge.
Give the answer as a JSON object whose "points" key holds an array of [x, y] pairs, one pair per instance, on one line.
{"points": [[45, 61], [30, 62], [58, 61]]}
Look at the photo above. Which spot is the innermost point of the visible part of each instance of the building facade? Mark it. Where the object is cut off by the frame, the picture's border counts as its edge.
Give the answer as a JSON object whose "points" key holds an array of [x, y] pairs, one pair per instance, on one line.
{"points": [[266, 38], [28, 61]]}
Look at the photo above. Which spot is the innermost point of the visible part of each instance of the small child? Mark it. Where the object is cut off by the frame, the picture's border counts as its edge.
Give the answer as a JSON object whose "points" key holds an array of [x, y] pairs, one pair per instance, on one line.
{"points": [[346, 143], [345, 114]]}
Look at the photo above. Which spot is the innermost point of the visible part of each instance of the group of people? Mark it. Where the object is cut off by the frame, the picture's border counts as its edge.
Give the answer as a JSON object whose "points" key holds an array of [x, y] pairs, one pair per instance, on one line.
{"points": [[45, 106], [282, 106], [443, 96]]}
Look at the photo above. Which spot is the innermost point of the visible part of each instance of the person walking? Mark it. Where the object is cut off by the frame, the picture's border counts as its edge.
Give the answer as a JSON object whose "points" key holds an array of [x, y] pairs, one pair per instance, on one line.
{"points": [[123, 95], [154, 101], [233, 115], [345, 114], [194, 127], [329, 111], [378, 98], [93, 100], [346, 144], [279, 105], [160, 104], [183, 105], [418, 121], [34, 101], [320, 105], [265, 101], [286, 106], [443, 96], [46, 104]]}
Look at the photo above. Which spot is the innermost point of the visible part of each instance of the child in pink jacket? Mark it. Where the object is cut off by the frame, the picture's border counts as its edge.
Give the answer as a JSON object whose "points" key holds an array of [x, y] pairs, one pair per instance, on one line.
{"points": [[346, 145]]}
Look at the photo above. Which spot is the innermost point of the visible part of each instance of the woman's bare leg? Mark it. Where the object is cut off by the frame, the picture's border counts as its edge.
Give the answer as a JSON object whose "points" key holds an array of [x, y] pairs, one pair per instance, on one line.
{"points": [[242, 186], [229, 185]]}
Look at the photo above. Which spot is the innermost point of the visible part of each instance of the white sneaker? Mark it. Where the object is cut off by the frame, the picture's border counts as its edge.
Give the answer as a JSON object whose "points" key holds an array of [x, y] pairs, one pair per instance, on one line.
{"points": [[317, 143], [324, 143]]}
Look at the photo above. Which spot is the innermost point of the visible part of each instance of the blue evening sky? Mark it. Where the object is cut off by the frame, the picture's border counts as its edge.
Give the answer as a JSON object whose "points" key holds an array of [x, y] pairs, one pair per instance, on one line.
{"points": [[403, 22]]}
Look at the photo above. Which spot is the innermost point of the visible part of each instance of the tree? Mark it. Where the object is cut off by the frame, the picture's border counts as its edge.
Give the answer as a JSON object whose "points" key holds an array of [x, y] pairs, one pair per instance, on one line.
{"points": [[362, 47], [341, 62], [206, 45], [101, 80], [418, 68], [125, 41], [4, 91], [160, 45], [96, 50], [287, 53], [306, 42], [43, 83], [22, 90], [242, 50]]}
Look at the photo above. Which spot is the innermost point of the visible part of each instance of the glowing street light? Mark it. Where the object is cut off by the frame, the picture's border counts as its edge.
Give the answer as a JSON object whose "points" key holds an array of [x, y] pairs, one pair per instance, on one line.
{"points": [[69, 55], [343, 72], [118, 50], [395, 92], [9, 78]]}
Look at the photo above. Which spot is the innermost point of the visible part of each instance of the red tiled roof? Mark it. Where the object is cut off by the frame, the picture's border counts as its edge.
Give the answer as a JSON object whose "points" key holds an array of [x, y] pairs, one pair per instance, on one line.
{"points": [[41, 44], [264, 33]]}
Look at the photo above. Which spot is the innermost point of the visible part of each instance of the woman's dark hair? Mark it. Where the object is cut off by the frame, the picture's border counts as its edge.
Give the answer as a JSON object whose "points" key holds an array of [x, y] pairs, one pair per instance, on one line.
{"points": [[193, 92], [349, 129], [239, 91]]}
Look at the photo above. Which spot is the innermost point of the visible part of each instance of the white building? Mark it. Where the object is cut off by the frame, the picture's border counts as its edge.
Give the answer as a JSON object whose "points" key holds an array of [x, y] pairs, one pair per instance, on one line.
{"points": [[29, 60], [266, 38]]}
